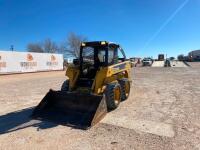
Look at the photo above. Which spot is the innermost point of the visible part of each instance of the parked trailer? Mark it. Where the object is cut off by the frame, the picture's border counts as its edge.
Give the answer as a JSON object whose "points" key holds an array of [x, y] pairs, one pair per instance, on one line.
{"points": [[161, 57]]}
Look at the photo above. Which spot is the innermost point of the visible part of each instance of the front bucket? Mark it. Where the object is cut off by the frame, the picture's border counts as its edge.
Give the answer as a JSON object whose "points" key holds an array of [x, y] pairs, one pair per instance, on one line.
{"points": [[72, 109]]}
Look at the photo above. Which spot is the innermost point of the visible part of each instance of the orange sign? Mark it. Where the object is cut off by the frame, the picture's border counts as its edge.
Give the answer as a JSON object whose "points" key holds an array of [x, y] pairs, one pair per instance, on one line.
{"points": [[2, 64], [52, 61], [53, 58], [29, 64], [29, 57]]}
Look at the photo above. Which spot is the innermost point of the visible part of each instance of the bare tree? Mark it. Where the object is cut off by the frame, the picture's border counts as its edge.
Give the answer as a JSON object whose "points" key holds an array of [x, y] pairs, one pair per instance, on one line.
{"points": [[47, 46], [180, 57], [35, 47], [71, 47], [50, 46]]}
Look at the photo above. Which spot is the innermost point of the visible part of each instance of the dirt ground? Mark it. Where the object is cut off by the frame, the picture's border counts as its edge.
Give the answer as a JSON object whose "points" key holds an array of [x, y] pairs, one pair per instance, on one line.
{"points": [[162, 112]]}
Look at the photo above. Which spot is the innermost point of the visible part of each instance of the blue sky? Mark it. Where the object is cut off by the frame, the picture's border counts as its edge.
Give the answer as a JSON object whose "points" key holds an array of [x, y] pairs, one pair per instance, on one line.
{"points": [[142, 27]]}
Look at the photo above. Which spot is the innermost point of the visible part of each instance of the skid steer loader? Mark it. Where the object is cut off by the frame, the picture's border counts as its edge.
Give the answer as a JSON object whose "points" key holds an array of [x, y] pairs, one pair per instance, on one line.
{"points": [[97, 82]]}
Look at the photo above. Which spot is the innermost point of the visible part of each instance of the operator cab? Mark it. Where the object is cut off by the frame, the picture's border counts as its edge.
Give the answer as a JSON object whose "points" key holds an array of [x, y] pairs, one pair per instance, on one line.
{"points": [[94, 55]]}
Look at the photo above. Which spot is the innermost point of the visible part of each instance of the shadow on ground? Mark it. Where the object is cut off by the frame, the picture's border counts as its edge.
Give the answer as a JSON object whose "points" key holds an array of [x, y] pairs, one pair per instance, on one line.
{"points": [[21, 119]]}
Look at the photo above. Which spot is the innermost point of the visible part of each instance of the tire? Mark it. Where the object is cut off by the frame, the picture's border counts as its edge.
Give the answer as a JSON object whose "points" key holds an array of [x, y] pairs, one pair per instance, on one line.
{"points": [[113, 96], [65, 86], [125, 88]]}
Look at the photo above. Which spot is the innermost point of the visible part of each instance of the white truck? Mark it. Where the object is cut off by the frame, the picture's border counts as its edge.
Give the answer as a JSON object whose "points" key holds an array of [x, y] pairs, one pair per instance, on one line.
{"points": [[147, 62]]}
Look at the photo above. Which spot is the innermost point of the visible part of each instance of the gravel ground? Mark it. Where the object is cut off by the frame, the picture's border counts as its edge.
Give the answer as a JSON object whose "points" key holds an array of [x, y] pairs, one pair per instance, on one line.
{"points": [[194, 64], [162, 112]]}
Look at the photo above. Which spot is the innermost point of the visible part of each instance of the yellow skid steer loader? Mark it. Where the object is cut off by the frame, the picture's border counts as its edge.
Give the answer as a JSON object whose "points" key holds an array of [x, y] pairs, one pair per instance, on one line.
{"points": [[97, 82]]}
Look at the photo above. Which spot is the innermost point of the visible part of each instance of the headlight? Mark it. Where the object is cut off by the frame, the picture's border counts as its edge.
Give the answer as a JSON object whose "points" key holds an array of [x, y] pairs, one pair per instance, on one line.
{"points": [[103, 43]]}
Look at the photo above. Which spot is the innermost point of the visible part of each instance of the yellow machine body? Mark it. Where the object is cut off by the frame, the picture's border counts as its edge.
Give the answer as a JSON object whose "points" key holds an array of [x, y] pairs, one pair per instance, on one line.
{"points": [[104, 76], [84, 106]]}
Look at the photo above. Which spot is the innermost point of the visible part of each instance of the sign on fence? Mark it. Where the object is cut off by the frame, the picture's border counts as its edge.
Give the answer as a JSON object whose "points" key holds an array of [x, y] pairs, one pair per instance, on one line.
{"points": [[16, 62]]}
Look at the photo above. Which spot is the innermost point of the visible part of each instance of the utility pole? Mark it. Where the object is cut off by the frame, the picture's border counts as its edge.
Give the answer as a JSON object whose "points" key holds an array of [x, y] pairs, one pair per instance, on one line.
{"points": [[12, 47]]}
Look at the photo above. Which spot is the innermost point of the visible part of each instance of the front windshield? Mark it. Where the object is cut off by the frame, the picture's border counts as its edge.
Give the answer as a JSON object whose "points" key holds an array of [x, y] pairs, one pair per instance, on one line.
{"points": [[88, 55], [93, 55]]}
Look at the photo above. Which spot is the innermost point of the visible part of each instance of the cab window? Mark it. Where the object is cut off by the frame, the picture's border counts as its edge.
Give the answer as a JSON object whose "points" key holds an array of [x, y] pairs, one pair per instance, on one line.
{"points": [[110, 56], [101, 55], [121, 56]]}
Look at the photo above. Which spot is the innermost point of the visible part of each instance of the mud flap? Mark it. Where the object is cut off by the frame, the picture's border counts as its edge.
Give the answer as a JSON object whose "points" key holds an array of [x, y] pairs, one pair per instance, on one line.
{"points": [[72, 109]]}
